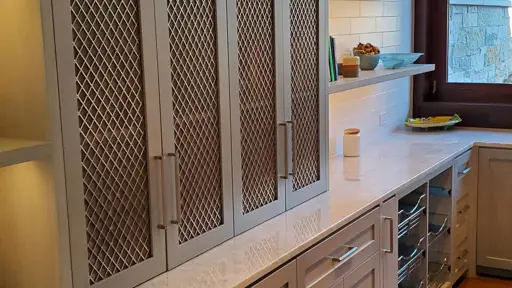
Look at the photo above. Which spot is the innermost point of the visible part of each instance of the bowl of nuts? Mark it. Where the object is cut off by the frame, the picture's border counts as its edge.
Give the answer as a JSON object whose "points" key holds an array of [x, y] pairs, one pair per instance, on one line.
{"points": [[368, 54]]}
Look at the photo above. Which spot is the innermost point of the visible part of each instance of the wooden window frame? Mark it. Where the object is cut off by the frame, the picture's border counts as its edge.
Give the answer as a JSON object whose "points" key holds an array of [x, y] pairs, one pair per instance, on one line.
{"points": [[480, 105]]}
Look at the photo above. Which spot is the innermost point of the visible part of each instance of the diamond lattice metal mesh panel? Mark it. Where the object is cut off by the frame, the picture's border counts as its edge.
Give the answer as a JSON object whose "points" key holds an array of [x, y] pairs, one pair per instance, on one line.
{"points": [[305, 92], [194, 82], [109, 87], [256, 65]]}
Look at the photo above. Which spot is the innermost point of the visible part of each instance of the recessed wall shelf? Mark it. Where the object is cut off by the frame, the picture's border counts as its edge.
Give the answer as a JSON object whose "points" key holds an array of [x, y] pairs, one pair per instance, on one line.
{"points": [[380, 74], [14, 151]]}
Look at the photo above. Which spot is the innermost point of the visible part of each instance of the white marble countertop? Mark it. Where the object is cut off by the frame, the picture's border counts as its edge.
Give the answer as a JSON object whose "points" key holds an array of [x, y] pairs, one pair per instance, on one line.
{"points": [[356, 184]]}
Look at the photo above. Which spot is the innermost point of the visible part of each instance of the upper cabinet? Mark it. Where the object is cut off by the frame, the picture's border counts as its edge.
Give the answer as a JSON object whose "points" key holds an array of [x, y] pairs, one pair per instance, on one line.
{"points": [[109, 94], [305, 46], [196, 136], [278, 100], [257, 102], [185, 123]]}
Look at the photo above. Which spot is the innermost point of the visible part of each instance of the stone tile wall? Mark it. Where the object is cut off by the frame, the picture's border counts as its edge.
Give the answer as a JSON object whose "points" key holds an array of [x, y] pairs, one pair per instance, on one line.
{"points": [[480, 44]]}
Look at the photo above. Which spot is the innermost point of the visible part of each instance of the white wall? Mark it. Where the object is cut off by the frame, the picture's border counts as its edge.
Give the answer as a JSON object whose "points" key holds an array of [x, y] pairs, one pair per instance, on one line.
{"points": [[387, 24]]}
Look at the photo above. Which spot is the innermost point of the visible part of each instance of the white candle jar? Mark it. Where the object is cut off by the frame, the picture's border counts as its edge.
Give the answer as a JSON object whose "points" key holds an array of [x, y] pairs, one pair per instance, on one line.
{"points": [[351, 142]]}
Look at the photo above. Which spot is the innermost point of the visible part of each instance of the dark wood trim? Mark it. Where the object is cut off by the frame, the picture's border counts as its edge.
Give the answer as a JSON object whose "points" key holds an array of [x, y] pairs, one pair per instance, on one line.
{"points": [[480, 105]]}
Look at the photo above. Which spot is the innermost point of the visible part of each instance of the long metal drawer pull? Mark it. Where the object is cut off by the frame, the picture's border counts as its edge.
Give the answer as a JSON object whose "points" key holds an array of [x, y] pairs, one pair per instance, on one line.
{"points": [[177, 187], [164, 198], [464, 209], [286, 159], [351, 251], [391, 249], [291, 128], [464, 172]]}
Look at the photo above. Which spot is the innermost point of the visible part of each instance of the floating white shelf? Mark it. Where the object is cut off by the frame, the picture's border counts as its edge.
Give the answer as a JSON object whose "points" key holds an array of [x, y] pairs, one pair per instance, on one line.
{"points": [[15, 151], [380, 74]]}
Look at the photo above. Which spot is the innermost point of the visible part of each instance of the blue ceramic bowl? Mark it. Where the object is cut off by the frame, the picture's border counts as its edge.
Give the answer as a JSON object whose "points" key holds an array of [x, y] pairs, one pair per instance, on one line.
{"points": [[398, 60], [368, 62]]}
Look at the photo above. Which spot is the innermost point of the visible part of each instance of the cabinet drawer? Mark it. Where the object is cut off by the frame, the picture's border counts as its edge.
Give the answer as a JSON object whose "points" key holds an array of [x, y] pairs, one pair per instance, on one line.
{"points": [[329, 261], [460, 263], [462, 210], [460, 232], [284, 277], [365, 276], [462, 163], [461, 169]]}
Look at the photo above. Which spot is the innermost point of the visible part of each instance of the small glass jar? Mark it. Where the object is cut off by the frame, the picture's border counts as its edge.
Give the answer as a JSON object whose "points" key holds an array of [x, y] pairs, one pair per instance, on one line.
{"points": [[351, 66], [351, 142]]}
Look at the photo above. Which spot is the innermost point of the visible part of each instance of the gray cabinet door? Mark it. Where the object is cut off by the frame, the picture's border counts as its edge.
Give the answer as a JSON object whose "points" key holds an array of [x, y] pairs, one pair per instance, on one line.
{"points": [[368, 275], [389, 243], [108, 89], [305, 90], [494, 233], [196, 136], [286, 277], [257, 111]]}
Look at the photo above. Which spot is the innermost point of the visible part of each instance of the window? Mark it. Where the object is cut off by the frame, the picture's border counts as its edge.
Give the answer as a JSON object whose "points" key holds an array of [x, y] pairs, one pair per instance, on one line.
{"points": [[471, 46]]}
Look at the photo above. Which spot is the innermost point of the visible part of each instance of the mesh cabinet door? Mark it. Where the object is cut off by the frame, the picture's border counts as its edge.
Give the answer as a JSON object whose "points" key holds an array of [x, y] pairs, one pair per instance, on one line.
{"points": [[193, 71], [305, 31], [108, 88], [256, 91]]}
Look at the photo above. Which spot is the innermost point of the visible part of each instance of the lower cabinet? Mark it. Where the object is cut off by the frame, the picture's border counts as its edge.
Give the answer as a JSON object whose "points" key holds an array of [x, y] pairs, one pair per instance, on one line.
{"points": [[368, 275], [494, 198], [285, 277]]}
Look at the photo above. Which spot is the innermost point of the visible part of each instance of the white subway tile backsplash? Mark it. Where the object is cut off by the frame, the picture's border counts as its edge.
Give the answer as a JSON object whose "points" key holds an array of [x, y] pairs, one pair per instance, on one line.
{"points": [[386, 24], [345, 42], [371, 8], [391, 9], [339, 26], [390, 49], [344, 9], [362, 25], [391, 39], [373, 38], [378, 22]]}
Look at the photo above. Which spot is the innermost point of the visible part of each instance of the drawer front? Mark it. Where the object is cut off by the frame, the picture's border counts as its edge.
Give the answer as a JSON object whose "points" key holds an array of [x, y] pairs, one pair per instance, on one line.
{"points": [[460, 232], [462, 163], [366, 275], [462, 210], [284, 277], [460, 263], [329, 261], [462, 169]]}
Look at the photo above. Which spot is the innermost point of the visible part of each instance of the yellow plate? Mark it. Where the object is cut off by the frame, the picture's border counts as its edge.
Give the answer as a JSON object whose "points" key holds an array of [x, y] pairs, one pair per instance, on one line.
{"points": [[438, 121]]}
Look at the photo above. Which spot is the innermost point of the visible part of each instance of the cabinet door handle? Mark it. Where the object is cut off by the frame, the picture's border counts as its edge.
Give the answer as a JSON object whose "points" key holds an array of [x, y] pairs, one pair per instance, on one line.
{"points": [[177, 188], [292, 173], [464, 172], [391, 235], [286, 156], [163, 226], [343, 258]]}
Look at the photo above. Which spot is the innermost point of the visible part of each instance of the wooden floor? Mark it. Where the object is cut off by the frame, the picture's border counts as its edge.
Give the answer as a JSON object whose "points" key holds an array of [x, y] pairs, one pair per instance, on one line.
{"points": [[484, 283]]}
